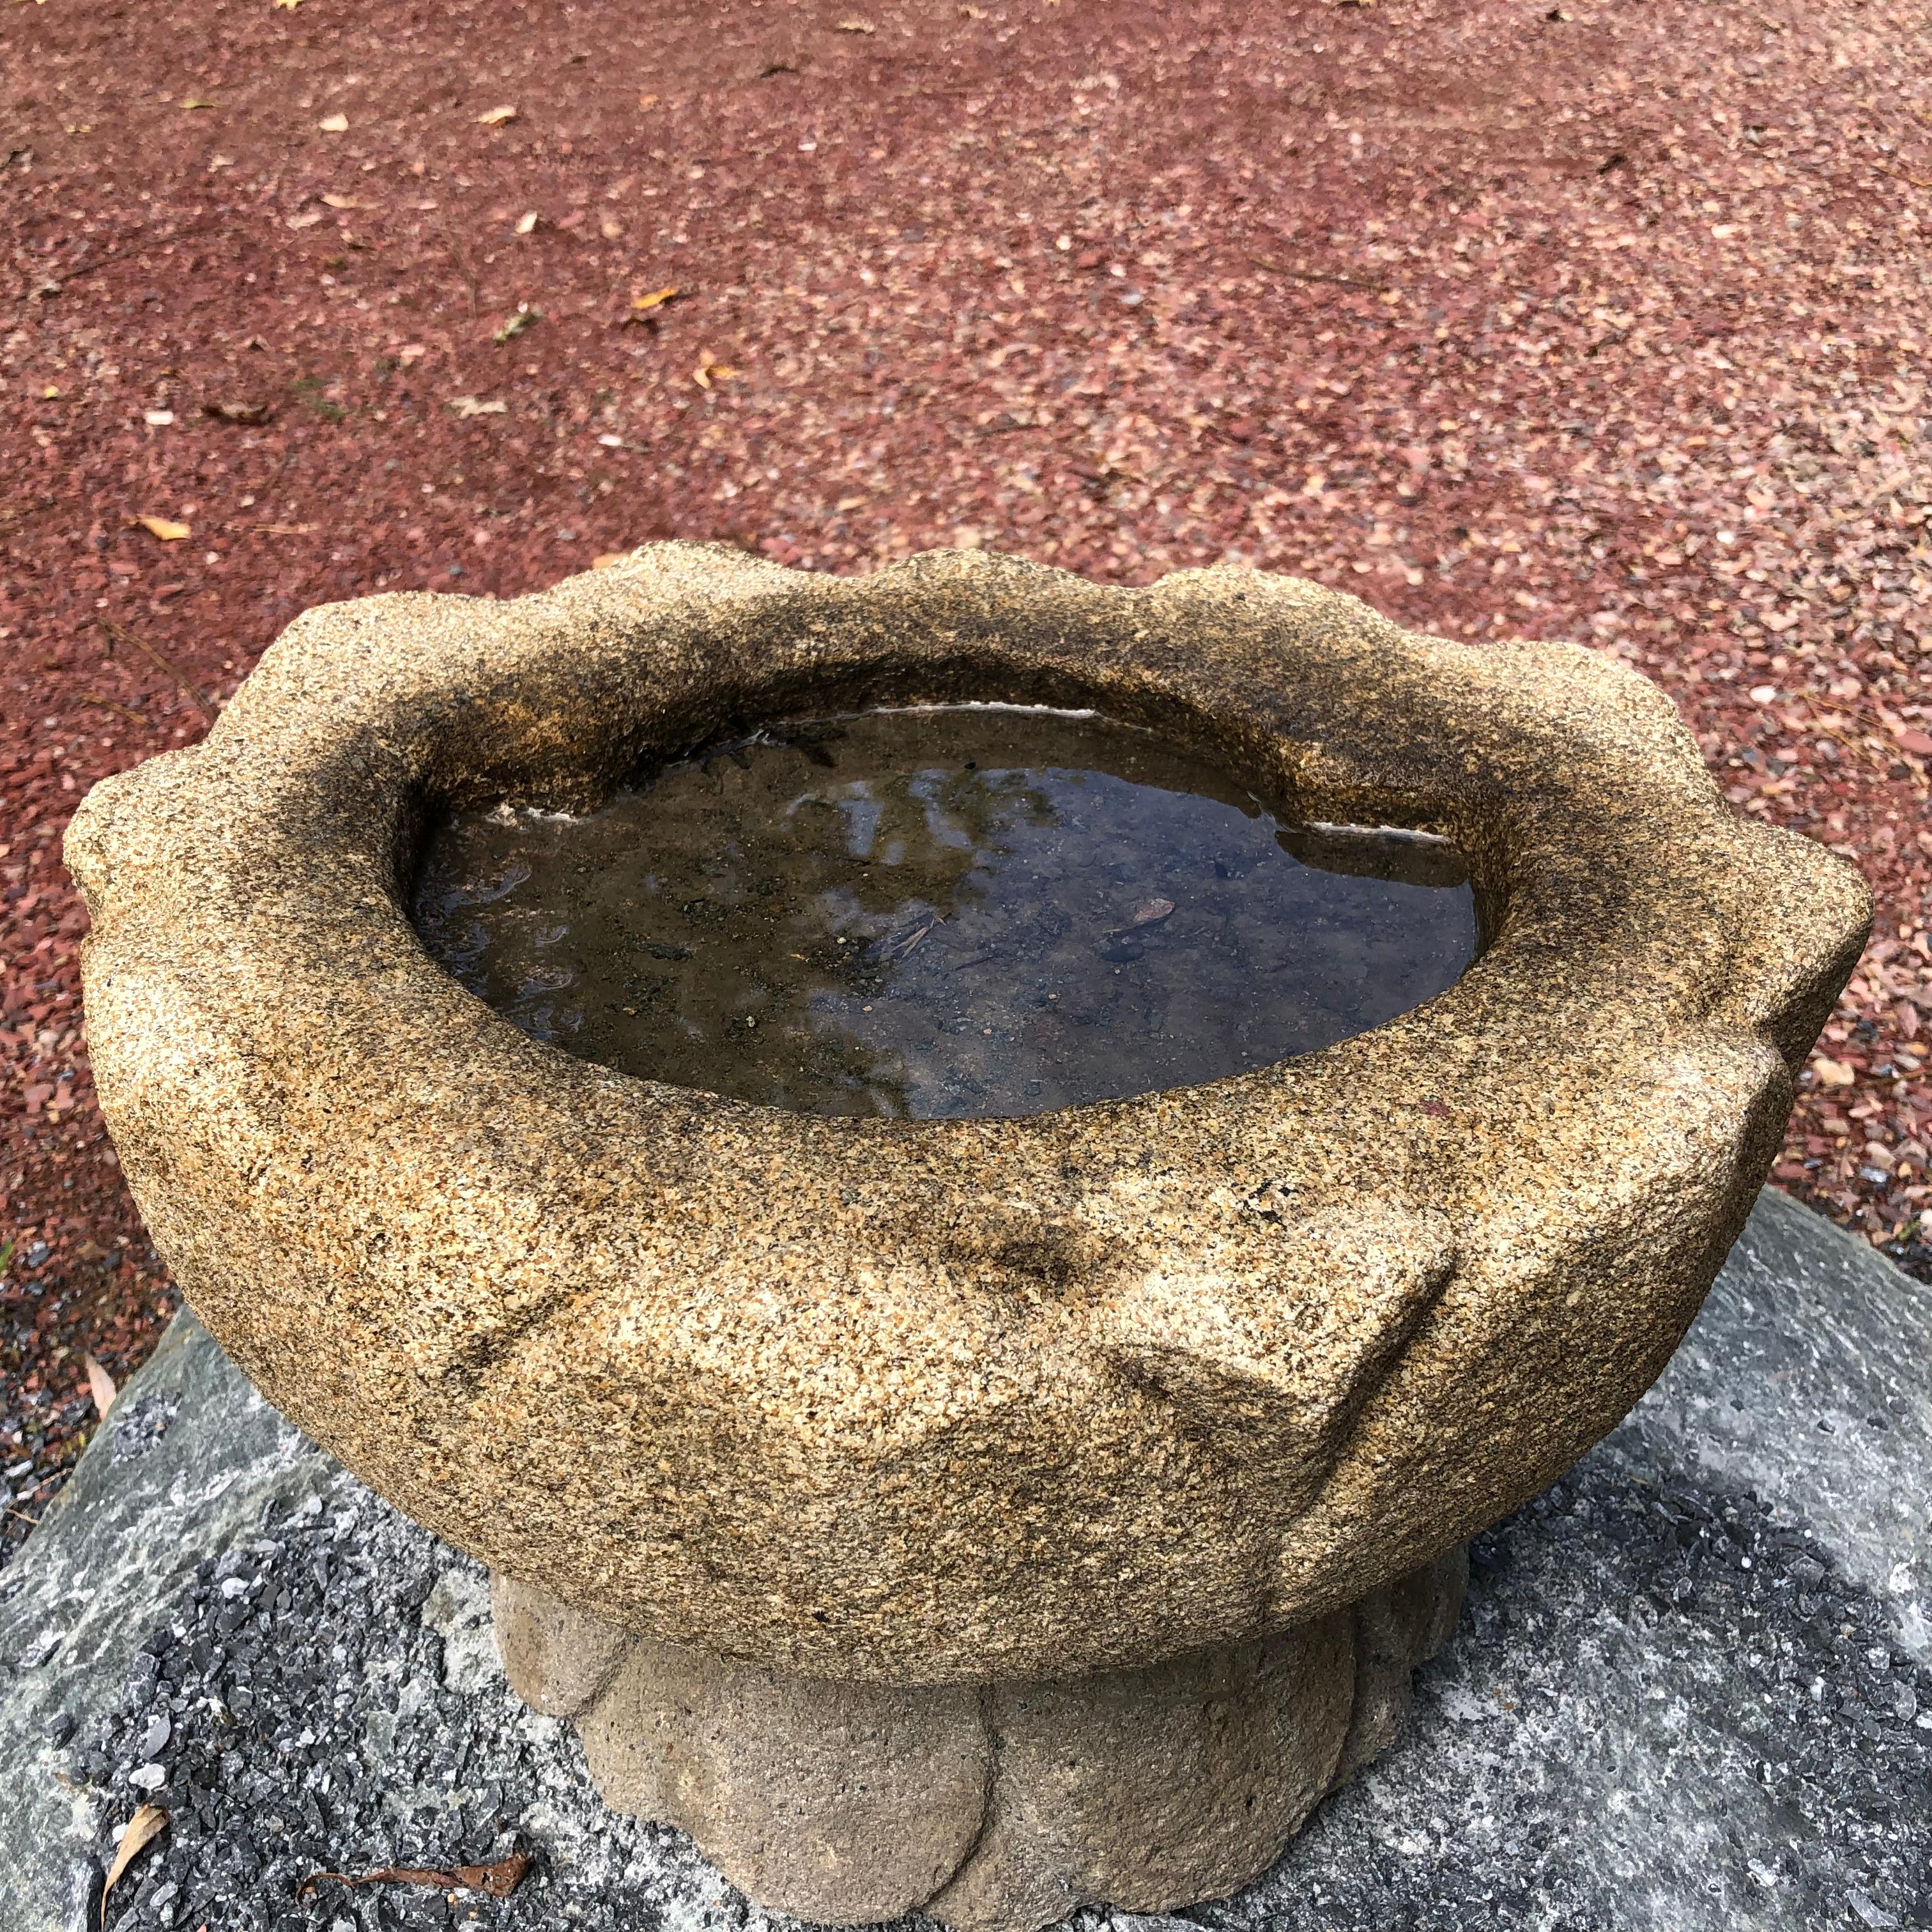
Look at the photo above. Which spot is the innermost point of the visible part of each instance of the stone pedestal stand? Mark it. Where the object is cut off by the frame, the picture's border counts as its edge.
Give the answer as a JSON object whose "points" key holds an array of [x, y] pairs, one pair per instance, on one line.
{"points": [[999, 1807]]}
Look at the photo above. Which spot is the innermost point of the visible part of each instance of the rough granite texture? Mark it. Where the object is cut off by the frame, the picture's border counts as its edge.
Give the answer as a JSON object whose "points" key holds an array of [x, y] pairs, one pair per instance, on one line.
{"points": [[1673, 1704], [944, 1402], [998, 1807]]}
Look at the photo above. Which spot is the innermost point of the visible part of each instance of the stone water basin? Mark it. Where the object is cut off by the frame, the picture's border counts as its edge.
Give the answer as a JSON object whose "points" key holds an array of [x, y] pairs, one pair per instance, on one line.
{"points": [[925, 1503]]}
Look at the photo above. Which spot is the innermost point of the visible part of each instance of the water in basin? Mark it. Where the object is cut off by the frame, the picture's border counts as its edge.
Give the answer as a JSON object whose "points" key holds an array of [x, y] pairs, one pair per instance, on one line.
{"points": [[938, 913]]}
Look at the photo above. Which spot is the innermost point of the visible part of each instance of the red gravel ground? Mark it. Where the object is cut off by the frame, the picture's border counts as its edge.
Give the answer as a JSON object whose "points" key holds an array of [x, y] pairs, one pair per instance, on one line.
{"points": [[1596, 320]]}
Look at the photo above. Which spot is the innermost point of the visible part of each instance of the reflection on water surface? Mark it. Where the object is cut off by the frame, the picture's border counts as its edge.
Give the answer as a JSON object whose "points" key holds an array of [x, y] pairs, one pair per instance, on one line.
{"points": [[937, 913]]}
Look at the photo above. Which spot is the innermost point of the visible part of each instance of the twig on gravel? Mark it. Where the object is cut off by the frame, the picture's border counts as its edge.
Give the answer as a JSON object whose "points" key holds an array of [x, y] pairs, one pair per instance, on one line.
{"points": [[496, 1881], [1880, 760], [121, 634], [1314, 275], [111, 704], [60, 278], [460, 257]]}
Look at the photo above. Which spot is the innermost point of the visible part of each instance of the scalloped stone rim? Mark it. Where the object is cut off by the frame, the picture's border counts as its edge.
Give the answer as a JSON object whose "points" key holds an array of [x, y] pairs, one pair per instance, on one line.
{"points": [[947, 1402]]}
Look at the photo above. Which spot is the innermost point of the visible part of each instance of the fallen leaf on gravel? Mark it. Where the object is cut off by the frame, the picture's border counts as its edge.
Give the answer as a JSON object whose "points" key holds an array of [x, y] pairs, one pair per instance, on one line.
{"points": [[468, 406], [526, 223], [655, 299], [167, 531], [1833, 1072], [707, 369], [307, 220], [342, 201], [496, 117], [290, 4], [647, 101], [523, 319], [145, 1826], [334, 124], [856, 26], [100, 1386], [251, 413], [158, 418], [189, 106], [496, 1881], [1151, 912]]}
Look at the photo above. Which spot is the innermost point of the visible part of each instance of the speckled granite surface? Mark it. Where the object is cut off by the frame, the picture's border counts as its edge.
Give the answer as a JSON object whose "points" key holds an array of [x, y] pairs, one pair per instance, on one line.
{"points": [[1682, 1698], [905, 1402]]}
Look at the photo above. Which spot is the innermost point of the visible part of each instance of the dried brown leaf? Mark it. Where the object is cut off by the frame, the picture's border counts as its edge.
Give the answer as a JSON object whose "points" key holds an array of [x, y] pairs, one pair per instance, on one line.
{"points": [[252, 414], [145, 1825], [100, 1386], [496, 1881], [1151, 912], [165, 528], [334, 124], [496, 117]]}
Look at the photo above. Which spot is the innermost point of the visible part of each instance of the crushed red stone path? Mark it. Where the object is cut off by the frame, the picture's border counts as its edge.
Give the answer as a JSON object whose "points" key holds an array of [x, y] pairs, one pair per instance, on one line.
{"points": [[1594, 321]]}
